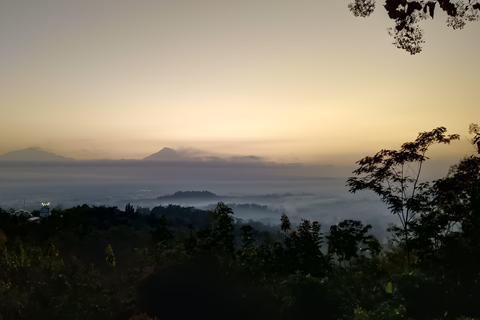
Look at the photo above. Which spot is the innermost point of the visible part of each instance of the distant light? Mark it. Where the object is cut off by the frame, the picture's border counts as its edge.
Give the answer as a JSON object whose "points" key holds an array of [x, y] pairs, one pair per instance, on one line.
{"points": [[46, 204]]}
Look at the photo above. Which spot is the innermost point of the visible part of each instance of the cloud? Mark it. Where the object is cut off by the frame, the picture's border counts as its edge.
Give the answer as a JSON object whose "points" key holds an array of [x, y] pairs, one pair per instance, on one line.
{"points": [[247, 159], [89, 154]]}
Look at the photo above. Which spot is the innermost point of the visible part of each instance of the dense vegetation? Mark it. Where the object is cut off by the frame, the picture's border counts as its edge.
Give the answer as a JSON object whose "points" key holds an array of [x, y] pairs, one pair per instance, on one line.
{"points": [[173, 262], [408, 15]]}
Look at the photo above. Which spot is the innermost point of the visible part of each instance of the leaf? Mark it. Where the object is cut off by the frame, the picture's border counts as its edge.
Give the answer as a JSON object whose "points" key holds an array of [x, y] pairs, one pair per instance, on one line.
{"points": [[412, 6], [391, 7], [448, 7], [401, 25], [431, 8]]}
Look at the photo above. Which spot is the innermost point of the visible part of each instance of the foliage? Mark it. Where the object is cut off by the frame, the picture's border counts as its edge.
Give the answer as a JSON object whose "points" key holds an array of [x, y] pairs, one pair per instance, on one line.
{"points": [[391, 310], [394, 175], [109, 256], [247, 249], [475, 129], [286, 225], [453, 217], [129, 209], [223, 231], [456, 205], [142, 316], [142, 211], [303, 254], [408, 14], [162, 232], [307, 296], [3, 239], [422, 295], [345, 238], [367, 278]]}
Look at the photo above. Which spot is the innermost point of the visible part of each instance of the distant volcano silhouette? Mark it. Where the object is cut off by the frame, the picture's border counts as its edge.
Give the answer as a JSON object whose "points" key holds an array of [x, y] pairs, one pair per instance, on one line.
{"points": [[166, 154], [32, 154], [169, 154]]}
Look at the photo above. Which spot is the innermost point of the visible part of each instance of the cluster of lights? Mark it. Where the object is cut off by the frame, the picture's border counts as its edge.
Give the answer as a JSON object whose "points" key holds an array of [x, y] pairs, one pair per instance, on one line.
{"points": [[46, 204]]}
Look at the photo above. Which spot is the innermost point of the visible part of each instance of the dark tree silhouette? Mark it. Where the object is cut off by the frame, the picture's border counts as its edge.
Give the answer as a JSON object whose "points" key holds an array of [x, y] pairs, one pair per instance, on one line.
{"points": [[345, 238], [222, 235], [394, 175], [475, 129], [110, 256], [162, 232], [457, 196], [129, 208], [247, 248], [455, 207], [285, 226], [303, 252], [3, 239], [407, 15]]}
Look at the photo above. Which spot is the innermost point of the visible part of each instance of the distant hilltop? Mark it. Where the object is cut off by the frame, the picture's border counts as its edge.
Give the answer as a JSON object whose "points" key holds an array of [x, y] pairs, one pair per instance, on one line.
{"points": [[199, 195], [166, 154], [190, 154], [32, 154]]}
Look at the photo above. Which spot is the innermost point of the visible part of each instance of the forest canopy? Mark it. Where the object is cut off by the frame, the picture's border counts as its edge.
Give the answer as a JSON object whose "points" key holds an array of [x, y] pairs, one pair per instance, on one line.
{"points": [[98, 262], [407, 16]]}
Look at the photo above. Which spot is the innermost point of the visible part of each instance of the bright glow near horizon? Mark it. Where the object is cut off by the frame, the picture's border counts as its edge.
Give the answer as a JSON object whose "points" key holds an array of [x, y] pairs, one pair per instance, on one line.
{"points": [[291, 81]]}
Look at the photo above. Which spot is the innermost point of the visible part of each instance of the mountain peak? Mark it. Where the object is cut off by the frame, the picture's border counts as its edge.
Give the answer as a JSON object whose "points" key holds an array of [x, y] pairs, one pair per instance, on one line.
{"points": [[166, 154]]}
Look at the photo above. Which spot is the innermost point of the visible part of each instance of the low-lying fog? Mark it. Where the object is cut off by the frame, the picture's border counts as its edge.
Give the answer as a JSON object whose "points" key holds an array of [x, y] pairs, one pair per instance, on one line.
{"points": [[255, 191]]}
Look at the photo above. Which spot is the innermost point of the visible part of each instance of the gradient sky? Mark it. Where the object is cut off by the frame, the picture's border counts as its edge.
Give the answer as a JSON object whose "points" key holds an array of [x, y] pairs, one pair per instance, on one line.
{"points": [[288, 80]]}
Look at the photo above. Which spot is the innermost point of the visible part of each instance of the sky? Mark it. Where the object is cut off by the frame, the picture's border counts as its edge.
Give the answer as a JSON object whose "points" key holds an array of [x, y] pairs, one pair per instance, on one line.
{"points": [[291, 81]]}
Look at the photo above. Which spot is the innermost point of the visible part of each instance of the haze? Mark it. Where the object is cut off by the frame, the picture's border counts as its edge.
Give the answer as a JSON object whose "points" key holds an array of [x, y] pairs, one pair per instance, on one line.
{"points": [[288, 81], [255, 98]]}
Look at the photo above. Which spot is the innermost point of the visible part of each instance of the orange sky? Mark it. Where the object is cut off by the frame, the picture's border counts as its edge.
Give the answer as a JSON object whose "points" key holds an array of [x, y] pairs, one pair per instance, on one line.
{"points": [[288, 80]]}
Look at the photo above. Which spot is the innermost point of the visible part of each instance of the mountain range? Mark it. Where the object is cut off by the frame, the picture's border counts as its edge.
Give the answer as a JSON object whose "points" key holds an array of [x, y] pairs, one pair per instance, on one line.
{"points": [[165, 154]]}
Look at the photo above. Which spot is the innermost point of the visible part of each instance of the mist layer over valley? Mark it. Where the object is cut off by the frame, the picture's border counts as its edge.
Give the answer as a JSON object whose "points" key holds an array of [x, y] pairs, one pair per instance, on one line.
{"points": [[255, 191]]}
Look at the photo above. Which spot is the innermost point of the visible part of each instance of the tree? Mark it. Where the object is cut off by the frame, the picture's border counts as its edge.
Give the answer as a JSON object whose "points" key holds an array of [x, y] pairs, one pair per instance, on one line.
{"points": [[3, 239], [394, 175], [247, 248], [345, 238], [455, 204], [309, 297], [372, 245], [408, 14], [474, 128], [109, 256], [223, 232], [303, 249], [142, 211], [129, 210], [457, 196], [162, 232], [285, 226]]}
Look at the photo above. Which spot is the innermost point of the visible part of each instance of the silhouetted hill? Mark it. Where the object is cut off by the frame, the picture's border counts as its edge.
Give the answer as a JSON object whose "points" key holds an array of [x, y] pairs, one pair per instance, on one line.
{"points": [[191, 195], [166, 154], [32, 154]]}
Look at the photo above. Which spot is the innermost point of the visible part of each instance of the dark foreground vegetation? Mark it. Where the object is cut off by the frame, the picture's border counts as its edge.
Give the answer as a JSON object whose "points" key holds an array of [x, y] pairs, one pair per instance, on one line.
{"points": [[183, 263]]}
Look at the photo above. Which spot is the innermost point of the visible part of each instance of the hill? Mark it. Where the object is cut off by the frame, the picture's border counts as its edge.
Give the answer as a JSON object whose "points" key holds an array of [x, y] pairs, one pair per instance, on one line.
{"points": [[191, 195], [166, 154], [32, 154]]}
